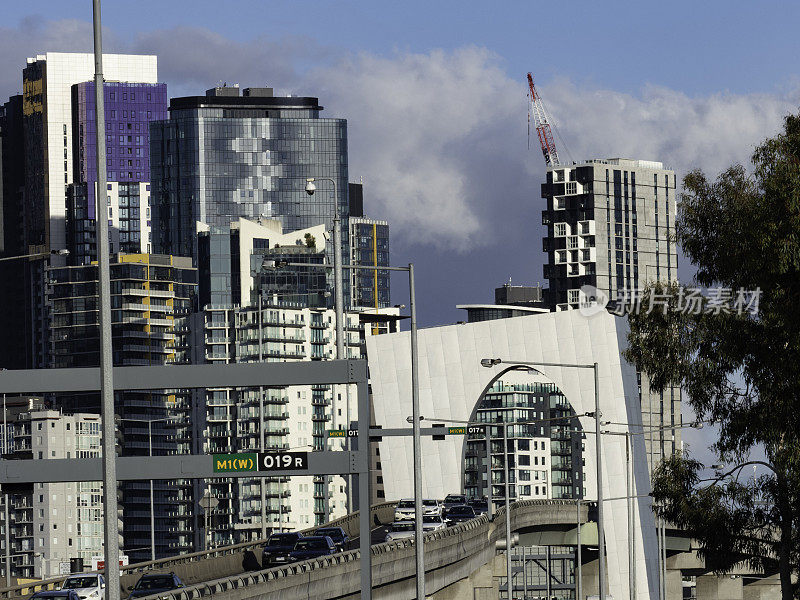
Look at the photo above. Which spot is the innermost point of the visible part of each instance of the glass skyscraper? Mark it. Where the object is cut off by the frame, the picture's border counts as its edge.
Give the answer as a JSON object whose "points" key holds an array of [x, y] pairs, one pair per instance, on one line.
{"points": [[223, 156]]}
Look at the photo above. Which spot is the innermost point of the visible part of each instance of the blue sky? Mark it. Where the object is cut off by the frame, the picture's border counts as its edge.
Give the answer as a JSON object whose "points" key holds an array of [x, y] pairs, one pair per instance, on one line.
{"points": [[435, 99]]}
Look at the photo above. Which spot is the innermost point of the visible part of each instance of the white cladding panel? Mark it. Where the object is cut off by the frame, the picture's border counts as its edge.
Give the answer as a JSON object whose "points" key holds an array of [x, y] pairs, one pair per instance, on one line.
{"points": [[451, 379]]}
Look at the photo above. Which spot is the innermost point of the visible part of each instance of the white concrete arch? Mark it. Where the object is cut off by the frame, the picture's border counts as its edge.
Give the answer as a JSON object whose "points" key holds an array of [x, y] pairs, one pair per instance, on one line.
{"points": [[451, 379]]}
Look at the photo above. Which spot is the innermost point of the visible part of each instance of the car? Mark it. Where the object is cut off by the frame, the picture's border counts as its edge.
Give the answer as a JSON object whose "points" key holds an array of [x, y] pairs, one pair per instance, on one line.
{"points": [[278, 548], [479, 505], [452, 500], [431, 507], [337, 534], [400, 530], [155, 583], [404, 510], [62, 594], [432, 523], [89, 586], [312, 546], [459, 514]]}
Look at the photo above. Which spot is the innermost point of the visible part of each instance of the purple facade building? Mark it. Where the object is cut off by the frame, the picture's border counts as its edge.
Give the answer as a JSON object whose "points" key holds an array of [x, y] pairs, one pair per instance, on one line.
{"points": [[129, 108]]}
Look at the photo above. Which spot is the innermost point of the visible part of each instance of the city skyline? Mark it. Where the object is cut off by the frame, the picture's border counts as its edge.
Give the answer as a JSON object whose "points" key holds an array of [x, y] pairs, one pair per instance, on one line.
{"points": [[243, 237], [361, 78]]}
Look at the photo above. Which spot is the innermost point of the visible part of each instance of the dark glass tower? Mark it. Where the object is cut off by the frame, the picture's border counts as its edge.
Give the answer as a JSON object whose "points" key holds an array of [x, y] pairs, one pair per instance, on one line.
{"points": [[223, 156]]}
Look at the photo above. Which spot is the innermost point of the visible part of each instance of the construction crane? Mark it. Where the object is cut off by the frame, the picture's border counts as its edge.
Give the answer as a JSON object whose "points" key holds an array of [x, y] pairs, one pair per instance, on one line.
{"points": [[542, 126]]}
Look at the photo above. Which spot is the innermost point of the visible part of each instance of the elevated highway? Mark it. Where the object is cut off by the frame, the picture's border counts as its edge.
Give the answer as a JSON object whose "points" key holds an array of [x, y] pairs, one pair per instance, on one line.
{"points": [[458, 560]]}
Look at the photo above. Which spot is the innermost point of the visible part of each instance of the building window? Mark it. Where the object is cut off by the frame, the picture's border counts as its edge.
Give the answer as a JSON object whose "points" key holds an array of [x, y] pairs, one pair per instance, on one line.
{"points": [[560, 229]]}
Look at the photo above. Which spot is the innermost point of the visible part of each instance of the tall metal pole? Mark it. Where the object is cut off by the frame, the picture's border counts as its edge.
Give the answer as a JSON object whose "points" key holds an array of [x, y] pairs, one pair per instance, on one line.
{"points": [[152, 504], [579, 580], [524, 576], [663, 559], [338, 305], [629, 504], [490, 500], [111, 537], [262, 442], [419, 545], [629, 488], [5, 500], [601, 542], [508, 511]]}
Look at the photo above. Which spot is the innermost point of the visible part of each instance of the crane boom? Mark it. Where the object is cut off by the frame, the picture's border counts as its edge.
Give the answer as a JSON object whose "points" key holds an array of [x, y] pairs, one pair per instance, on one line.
{"points": [[543, 129]]}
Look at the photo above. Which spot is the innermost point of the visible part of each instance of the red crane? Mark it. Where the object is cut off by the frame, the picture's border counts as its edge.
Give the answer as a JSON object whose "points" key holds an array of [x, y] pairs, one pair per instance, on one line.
{"points": [[542, 126]]}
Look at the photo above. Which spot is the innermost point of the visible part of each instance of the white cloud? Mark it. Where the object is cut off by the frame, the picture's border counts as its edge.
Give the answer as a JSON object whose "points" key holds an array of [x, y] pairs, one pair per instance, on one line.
{"points": [[440, 137]]}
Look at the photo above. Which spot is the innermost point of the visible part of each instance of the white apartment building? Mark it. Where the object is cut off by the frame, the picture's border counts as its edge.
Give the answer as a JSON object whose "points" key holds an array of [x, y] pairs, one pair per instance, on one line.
{"points": [[52, 523]]}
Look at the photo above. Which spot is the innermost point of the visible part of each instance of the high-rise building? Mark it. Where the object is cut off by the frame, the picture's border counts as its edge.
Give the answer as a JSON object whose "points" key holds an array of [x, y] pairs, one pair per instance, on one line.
{"points": [[51, 145], [12, 272], [152, 297], [54, 523], [222, 156], [369, 246], [129, 107], [545, 459], [254, 310], [609, 226]]}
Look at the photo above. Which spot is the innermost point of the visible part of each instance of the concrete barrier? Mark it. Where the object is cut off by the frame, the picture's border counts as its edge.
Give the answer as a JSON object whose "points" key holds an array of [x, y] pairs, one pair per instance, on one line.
{"points": [[198, 567], [451, 555]]}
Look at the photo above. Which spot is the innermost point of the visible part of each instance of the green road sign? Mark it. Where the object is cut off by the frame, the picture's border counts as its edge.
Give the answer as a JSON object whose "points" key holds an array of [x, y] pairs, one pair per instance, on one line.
{"points": [[232, 463]]}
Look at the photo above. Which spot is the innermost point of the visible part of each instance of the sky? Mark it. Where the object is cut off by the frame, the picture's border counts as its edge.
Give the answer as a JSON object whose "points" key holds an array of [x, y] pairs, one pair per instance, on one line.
{"points": [[435, 97]]}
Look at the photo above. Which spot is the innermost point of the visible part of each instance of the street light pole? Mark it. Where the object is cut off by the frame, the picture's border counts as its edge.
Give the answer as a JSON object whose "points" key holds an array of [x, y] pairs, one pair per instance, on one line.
{"points": [[419, 542], [5, 501], [36, 255], [152, 502], [601, 542], [338, 306], [490, 499], [601, 551], [111, 537], [262, 443], [508, 512]]}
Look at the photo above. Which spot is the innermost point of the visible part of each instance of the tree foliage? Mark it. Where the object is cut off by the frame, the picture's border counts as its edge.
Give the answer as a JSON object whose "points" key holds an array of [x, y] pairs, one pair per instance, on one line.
{"points": [[741, 371]]}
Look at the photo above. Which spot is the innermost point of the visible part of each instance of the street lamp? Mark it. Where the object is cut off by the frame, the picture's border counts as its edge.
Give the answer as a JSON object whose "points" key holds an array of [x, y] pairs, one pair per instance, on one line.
{"points": [[601, 551], [150, 453], [338, 303], [62, 252]]}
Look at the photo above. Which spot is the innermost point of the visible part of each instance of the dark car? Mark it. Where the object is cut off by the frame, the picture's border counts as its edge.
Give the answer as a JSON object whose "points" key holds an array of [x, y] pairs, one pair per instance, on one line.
{"points": [[63, 594], [454, 500], [459, 514], [278, 547], [312, 546], [337, 534], [479, 505], [153, 584]]}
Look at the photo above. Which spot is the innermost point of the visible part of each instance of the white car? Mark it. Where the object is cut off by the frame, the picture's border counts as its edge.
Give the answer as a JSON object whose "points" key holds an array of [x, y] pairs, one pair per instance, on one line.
{"points": [[404, 510], [431, 507], [400, 530], [90, 586], [432, 523]]}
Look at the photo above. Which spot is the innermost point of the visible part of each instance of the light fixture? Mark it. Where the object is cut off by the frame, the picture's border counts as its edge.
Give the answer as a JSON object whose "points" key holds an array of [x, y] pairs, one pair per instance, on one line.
{"points": [[490, 362]]}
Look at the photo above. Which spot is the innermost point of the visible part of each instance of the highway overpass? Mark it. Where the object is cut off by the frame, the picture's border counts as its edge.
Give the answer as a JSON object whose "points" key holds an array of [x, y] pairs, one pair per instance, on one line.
{"points": [[461, 562]]}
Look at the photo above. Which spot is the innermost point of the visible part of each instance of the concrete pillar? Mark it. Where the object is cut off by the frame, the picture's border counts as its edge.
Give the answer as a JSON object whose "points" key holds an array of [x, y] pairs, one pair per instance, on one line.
{"points": [[711, 587], [763, 589], [674, 585], [480, 585]]}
